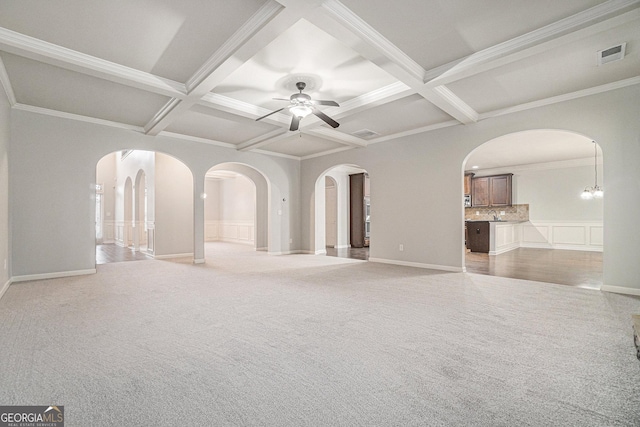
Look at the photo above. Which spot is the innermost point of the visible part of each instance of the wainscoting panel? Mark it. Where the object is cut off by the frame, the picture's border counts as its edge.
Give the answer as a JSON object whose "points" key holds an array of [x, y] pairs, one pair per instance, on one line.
{"points": [[230, 231], [580, 236]]}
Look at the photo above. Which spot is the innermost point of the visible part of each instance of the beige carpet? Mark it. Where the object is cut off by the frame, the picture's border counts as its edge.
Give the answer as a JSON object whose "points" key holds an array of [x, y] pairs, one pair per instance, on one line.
{"points": [[253, 339]]}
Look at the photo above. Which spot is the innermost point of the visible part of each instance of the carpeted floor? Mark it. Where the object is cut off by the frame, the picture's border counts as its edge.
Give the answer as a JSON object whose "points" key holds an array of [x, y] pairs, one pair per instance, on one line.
{"points": [[301, 340]]}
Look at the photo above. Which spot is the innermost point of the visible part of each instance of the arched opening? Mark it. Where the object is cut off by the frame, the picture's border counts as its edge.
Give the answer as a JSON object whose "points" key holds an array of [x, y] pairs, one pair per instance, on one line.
{"points": [[342, 213], [146, 202], [236, 206], [526, 217]]}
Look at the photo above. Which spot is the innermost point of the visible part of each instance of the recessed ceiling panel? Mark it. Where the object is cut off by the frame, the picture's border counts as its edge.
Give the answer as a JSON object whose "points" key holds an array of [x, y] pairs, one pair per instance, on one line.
{"points": [[331, 70], [217, 125], [46, 86], [564, 69], [435, 32], [301, 144], [407, 113], [168, 38]]}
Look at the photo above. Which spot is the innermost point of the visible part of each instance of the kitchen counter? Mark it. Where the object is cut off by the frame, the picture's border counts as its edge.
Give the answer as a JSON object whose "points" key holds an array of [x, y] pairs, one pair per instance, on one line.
{"points": [[503, 236]]}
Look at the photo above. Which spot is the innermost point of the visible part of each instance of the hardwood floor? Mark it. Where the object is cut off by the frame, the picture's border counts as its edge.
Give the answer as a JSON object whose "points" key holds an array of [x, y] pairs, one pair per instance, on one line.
{"points": [[574, 268], [114, 253], [354, 253]]}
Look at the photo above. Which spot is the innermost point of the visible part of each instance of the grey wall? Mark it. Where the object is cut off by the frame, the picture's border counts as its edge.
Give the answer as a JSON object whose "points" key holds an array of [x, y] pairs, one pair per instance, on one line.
{"points": [[5, 113], [554, 194], [416, 182], [53, 166]]}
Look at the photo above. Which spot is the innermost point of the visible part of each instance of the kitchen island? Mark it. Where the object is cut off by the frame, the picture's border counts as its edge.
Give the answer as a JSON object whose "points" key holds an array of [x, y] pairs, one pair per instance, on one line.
{"points": [[493, 237]]}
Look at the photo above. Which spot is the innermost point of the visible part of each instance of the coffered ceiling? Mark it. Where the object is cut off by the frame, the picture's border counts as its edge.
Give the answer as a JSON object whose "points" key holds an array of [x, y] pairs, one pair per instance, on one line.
{"points": [[206, 70]]}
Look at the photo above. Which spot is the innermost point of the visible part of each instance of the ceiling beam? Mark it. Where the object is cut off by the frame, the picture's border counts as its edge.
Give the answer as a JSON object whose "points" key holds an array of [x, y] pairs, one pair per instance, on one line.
{"points": [[589, 22], [6, 84], [52, 54]]}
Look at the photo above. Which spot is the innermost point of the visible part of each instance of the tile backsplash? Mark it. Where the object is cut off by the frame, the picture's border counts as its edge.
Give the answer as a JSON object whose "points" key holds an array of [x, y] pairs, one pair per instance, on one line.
{"points": [[511, 213]]}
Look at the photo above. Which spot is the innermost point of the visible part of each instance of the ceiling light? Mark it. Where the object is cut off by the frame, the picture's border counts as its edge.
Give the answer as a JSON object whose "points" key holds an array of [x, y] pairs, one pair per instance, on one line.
{"points": [[595, 192], [301, 111]]}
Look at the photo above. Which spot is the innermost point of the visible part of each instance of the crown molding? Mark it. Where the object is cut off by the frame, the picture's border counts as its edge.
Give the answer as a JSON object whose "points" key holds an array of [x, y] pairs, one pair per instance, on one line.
{"points": [[6, 84], [582, 24], [326, 153], [151, 128], [262, 140], [259, 19], [275, 154], [191, 138], [443, 98], [76, 117], [383, 95], [339, 137], [416, 131], [368, 34], [230, 105], [49, 53], [562, 98]]}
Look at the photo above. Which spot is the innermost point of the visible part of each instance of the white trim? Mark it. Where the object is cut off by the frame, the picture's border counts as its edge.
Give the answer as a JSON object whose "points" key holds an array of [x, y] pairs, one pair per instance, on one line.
{"points": [[620, 290], [422, 129], [6, 84], [369, 35], [259, 19], [76, 117], [160, 115], [169, 256], [417, 264], [5, 287], [339, 137], [320, 252], [52, 54], [528, 44], [326, 153], [275, 154], [195, 139], [198, 261], [57, 275], [452, 104], [219, 102], [562, 98], [292, 252], [561, 164]]}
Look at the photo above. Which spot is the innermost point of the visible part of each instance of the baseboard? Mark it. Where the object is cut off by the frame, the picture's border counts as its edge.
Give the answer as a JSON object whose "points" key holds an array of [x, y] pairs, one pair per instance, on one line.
{"points": [[265, 249], [505, 249], [561, 247], [4, 288], [292, 252], [169, 256], [198, 261], [342, 246], [57, 275], [418, 265], [320, 252], [620, 290]]}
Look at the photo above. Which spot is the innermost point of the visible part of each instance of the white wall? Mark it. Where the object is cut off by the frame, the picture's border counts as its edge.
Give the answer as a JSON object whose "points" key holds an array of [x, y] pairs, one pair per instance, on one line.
{"points": [[417, 182], [5, 114], [173, 207], [230, 210], [52, 169], [106, 176], [212, 202], [238, 199]]}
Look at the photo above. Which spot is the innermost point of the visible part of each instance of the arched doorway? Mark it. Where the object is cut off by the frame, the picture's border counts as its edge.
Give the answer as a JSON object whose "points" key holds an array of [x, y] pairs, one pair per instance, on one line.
{"points": [[237, 206], [147, 200], [546, 232], [343, 191]]}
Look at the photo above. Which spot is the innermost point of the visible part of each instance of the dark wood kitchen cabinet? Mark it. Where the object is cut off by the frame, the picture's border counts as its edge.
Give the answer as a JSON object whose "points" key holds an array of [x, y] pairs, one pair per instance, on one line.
{"points": [[478, 236], [489, 191], [467, 183]]}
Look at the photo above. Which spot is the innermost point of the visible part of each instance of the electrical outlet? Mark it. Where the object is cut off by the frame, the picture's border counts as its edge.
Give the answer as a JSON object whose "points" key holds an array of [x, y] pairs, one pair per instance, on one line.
{"points": [[501, 212], [401, 248], [477, 212]]}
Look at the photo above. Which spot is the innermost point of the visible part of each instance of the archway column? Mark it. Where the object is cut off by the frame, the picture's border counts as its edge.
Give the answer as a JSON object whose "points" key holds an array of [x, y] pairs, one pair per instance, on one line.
{"points": [[198, 219]]}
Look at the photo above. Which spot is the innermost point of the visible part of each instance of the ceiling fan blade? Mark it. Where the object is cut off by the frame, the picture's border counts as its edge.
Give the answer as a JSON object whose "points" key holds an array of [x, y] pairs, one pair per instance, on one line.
{"points": [[295, 123], [281, 99], [267, 115], [330, 103], [328, 120]]}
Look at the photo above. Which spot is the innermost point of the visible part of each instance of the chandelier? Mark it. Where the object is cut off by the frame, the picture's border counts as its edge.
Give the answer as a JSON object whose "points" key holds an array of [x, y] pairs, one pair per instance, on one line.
{"points": [[595, 192]]}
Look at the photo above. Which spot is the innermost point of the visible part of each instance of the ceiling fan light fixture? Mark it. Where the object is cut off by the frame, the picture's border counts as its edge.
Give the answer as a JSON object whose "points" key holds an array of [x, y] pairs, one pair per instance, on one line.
{"points": [[301, 111]]}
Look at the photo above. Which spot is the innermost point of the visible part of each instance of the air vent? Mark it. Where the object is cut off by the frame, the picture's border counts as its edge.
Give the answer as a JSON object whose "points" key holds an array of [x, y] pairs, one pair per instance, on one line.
{"points": [[612, 54], [365, 134]]}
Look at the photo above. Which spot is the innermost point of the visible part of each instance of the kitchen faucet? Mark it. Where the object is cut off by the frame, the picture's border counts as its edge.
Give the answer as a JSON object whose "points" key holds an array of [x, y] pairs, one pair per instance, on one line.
{"points": [[495, 215]]}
